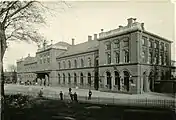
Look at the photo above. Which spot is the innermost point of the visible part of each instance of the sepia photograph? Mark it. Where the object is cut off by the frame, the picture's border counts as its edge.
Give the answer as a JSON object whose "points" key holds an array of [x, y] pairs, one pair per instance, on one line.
{"points": [[88, 60]]}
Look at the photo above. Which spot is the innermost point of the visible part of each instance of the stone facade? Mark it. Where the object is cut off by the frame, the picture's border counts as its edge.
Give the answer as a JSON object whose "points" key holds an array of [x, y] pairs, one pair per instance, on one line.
{"points": [[128, 59]]}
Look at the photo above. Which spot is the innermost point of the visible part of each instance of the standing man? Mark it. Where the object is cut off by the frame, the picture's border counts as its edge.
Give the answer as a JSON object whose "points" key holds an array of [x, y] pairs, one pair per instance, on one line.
{"points": [[75, 97], [61, 95], [69, 90], [71, 96], [90, 94]]}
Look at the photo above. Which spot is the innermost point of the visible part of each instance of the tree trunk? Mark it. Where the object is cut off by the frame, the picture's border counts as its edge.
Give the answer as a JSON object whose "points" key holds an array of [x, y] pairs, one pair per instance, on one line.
{"points": [[3, 48]]}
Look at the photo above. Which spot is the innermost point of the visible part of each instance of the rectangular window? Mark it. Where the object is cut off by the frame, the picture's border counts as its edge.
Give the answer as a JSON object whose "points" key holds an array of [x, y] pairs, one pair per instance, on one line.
{"points": [[116, 44], [117, 57], [144, 41], [108, 58], [108, 46]]}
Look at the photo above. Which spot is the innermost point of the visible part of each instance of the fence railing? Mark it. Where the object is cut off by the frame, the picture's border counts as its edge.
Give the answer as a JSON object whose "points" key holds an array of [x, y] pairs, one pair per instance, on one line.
{"points": [[144, 102]]}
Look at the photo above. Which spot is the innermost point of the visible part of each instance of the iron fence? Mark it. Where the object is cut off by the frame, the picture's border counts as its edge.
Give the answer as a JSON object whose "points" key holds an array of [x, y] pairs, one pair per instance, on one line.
{"points": [[139, 102]]}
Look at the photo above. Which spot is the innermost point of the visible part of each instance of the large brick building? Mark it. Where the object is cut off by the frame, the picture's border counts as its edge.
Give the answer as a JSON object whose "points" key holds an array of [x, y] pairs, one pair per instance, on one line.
{"points": [[127, 59]]}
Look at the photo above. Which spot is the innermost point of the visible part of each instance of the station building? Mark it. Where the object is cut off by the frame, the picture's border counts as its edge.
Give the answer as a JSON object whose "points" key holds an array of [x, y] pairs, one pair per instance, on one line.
{"points": [[128, 59]]}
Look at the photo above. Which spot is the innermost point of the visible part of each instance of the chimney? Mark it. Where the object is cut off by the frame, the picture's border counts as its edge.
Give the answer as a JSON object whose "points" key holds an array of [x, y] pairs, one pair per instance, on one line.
{"points": [[142, 26], [73, 41], [89, 38], [95, 36], [131, 21]]}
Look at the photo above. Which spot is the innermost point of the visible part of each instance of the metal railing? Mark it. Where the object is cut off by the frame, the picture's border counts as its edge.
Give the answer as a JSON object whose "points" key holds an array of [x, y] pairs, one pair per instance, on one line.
{"points": [[138, 102]]}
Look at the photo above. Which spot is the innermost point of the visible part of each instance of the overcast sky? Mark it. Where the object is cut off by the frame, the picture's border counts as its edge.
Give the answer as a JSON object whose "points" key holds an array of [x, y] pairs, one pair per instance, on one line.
{"points": [[86, 18]]}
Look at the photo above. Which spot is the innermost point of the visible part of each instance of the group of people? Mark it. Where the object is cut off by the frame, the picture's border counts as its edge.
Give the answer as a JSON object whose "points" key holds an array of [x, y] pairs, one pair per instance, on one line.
{"points": [[74, 97]]}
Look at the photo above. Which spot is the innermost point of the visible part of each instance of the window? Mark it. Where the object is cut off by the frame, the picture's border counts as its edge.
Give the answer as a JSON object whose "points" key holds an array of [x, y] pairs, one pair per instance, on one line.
{"points": [[89, 62], [126, 43], [69, 78], [166, 59], [150, 43], [75, 62], [108, 46], [108, 57], [96, 61], [162, 46], [81, 79], [44, 60], [166, 47], [156, 44], [59, 65], [63, 78], [64, 64], [126, 56], [144, 40], [143, 57], [69, 64], [116, 44], [82, 63], [58, 78], [117, 57], [75, 79], [48, 59], [156, 58], [150, 57]]}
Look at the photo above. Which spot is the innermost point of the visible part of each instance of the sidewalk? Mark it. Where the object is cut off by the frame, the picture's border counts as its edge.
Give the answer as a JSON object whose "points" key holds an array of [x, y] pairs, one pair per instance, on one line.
{"points": [[146, 99]]}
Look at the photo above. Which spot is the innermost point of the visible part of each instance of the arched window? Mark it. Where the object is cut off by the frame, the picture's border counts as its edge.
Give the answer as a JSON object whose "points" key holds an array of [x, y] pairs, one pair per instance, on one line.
{"points": [[89, 62], [82, 63], [89, 79], [126, 53], [75, 79], [109, 82], [117, 57], [143, 57], [96, 61], [117, 79], [150, 57], [81, 79], [116, 44], [59, 65], [58, 78], [69, 78], [75, 63], [63, 78], [108, 57], [126, 80], [69, 64], [64, 65]]}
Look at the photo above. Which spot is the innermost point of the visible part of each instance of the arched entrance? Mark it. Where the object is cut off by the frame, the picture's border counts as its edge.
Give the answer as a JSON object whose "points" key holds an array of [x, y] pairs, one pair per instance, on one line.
{"points": [[151, 81], [89, 79], [109, 82], [126, 80], [117, 79], [81, 79], [96, 81]]}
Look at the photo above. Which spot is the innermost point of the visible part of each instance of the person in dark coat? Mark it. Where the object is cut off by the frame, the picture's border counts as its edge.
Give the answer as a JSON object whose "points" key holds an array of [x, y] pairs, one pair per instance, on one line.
{"points": [[71, 96], [75, 97], [69, 90], [61, 95], [90, 94]]}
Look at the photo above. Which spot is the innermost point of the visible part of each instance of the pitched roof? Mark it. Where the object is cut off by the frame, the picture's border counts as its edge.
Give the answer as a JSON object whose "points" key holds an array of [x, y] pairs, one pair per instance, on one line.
{"points": [[81, 48]]}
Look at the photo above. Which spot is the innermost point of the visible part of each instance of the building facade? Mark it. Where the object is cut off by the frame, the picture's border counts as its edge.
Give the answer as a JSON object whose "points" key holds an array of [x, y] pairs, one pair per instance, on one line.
{"points": [[128, 59], [10, 77]]}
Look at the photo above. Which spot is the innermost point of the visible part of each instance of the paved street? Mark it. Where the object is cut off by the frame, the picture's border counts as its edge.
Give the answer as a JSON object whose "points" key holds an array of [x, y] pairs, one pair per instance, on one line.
{"points": [[97, 96]]}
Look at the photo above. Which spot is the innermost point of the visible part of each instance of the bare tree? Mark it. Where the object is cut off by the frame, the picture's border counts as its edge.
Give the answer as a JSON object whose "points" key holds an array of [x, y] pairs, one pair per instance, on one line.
{"points": [[17, 23]]}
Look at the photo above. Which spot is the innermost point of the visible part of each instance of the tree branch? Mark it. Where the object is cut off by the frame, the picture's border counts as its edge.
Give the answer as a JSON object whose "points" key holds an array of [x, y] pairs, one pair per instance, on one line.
{"points": [[18, 10]]}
